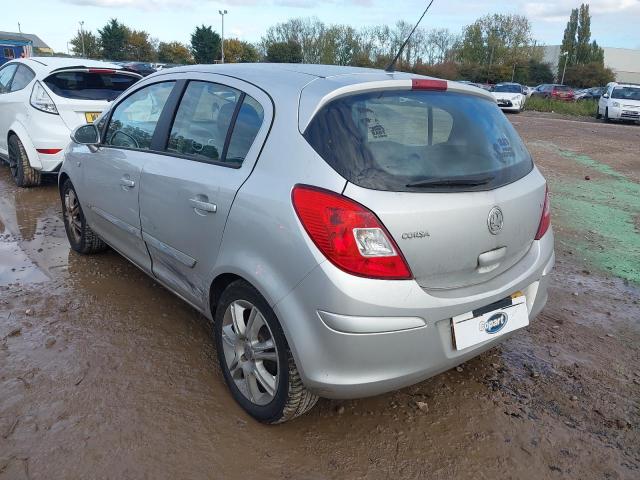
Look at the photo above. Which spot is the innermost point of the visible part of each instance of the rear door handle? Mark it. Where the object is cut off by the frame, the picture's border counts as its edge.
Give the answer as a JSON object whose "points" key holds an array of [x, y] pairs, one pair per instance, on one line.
{"points": [[203, 206], [125, 182]]}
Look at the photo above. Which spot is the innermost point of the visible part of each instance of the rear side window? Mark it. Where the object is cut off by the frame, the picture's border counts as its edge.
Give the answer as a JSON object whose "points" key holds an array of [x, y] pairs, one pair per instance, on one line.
{"points": [[6, 74], [202, 121], [22, 78], [134, 120], [89, 85], [246, 128], [419, 141]]}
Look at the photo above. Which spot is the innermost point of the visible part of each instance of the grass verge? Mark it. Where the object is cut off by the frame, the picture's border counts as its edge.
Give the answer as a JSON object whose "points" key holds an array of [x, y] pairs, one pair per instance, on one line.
{"points": [[582, 108]]}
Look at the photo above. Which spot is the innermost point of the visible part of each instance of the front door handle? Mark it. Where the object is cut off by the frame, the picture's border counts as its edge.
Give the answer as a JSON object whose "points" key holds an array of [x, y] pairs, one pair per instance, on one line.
{"points": [[125, 182], [203, 206]]}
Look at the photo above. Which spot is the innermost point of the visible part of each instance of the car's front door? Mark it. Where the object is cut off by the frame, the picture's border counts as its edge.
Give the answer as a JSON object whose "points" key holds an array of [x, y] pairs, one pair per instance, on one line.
{"points": [[112, 172], [212, 144]]}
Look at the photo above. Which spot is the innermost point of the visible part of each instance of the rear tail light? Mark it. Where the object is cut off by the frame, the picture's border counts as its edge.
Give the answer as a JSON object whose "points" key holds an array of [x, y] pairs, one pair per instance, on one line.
{"points": [[40, 100], [348, 234], [101, 70], [545, 220]]}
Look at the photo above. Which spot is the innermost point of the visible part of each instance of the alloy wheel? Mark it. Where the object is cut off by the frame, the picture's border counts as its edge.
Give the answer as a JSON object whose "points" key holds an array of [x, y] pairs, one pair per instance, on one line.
{"points": [[250, 352], [14, 158], [72, 212]]}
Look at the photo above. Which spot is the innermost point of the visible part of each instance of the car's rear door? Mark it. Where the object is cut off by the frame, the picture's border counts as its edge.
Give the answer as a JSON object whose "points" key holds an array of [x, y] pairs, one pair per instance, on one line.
{"points": [[111, 174], [213, 141]]}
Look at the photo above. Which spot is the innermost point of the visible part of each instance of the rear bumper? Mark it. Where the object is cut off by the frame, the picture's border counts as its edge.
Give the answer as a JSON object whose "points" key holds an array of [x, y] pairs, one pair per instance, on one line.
{"points": [[45, 132], [384, 335]]}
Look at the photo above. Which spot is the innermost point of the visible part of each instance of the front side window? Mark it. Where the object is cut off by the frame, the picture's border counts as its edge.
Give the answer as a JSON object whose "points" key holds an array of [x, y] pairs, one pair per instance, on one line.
{"points": [[202, 121], [134, 120], [6, 74], [22, 78], [419, 141]]}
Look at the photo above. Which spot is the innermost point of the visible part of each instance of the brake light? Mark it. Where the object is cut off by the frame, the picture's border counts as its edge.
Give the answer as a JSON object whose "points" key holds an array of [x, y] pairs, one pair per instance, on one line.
{"points": [[545, 219], [101, 70], [428, 84], [349, 234]]}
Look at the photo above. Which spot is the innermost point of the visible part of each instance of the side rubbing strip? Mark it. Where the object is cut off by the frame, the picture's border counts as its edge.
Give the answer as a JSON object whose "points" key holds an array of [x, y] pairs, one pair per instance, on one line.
{"points": [[117, 222], [169, 251]]}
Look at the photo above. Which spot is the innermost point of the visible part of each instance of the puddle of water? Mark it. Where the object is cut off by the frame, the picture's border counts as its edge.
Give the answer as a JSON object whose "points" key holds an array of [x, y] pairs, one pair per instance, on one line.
{"points": [[15, 266]]}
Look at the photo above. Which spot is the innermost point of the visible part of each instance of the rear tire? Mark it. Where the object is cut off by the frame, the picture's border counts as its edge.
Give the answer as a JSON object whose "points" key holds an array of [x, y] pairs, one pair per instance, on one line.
{"points": [[21, 171], [241, 316], [81, 238]]}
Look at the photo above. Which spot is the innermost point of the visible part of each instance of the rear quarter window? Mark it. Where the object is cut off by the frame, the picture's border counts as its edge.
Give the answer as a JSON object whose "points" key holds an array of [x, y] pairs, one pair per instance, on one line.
{"points": [[395, 140], [89, 85]]}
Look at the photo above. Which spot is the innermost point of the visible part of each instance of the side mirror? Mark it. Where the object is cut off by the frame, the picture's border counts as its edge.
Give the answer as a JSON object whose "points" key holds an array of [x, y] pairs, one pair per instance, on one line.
{"points": [[86, 135], [605, 95]]}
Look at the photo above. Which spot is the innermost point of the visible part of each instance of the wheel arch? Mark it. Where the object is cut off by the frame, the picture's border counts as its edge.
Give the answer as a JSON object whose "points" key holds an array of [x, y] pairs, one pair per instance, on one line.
{"points": [[20, 131]]}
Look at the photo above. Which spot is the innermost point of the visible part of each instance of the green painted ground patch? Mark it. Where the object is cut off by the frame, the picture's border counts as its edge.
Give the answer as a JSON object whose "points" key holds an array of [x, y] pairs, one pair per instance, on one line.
{"points": [[605, 212]]}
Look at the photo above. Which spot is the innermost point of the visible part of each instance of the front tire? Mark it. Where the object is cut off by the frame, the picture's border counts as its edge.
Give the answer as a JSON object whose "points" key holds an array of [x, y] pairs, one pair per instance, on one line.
{"points": [[598, 115], [255, 358], [81, 238], [606, 115], [21, 171]]}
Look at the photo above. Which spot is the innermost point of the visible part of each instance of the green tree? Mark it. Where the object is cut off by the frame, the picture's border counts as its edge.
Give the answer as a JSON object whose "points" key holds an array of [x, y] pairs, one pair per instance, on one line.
{"points": [[91, 45], [497, 40], [205, 45], [113, 39], [237, 51], [139, 46], [174, 52], [577, 41], [538, 72], [588, 75], [284, 52]]}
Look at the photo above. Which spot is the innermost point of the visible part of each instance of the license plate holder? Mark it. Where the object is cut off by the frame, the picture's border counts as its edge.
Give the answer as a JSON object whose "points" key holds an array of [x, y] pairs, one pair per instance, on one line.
{"points": [[468, 329], [90, 117]]}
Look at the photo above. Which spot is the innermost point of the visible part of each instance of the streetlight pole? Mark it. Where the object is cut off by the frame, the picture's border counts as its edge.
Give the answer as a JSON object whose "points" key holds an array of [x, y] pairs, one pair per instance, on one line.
{"points": [[222, 14], [82, 36], [566, 57]]}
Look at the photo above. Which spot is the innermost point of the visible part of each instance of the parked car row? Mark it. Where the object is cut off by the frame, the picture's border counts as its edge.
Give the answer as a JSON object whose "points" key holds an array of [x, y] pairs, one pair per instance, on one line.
{"points": [[347, 231]]}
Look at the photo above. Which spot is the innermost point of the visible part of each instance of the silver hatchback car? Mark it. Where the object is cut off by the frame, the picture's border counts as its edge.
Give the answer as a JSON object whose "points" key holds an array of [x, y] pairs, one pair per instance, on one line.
{"points": [[348, 231]]}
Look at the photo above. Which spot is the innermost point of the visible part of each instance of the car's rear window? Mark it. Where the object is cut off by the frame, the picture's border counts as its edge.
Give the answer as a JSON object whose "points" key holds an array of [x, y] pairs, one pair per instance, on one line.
{"points": [[561, 88], [89, 85], [419, 141]]}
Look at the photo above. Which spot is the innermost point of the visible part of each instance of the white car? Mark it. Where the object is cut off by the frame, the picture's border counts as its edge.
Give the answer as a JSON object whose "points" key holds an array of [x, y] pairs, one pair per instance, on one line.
{"points": [[42, 100], [510, 96], [620, 101]]}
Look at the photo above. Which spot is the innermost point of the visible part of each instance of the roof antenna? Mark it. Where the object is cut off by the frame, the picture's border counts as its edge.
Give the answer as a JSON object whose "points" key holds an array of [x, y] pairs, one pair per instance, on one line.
{"points": [[391, 67]]}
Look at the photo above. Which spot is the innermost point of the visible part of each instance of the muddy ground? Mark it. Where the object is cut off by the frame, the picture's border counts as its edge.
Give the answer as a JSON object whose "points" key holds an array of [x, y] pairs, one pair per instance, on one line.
{"points": [[104, 374]]}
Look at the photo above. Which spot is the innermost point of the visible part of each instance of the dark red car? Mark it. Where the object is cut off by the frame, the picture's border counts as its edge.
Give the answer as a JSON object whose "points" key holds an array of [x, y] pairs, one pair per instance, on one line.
{"points": [[557, 92]]}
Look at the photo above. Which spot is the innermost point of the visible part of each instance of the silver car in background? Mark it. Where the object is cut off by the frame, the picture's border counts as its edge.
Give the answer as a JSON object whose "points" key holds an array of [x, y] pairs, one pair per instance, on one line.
{"points": [[348, 231]]}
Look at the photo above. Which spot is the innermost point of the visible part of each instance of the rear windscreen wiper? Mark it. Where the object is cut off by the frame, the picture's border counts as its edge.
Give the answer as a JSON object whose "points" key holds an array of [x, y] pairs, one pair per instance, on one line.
{"points": [[452, 182]]}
